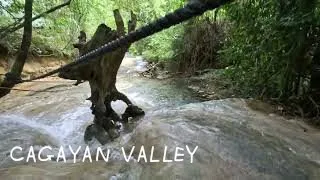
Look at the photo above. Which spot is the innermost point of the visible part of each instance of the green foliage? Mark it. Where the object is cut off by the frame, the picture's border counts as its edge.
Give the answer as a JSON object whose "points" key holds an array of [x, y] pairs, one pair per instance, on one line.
{"points": [[51, 34], [59, 30], [159, 46], [267, 44]]}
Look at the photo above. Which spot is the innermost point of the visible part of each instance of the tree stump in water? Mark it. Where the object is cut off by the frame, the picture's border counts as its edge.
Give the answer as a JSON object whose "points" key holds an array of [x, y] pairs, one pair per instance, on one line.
{"points": [[101, 74]]}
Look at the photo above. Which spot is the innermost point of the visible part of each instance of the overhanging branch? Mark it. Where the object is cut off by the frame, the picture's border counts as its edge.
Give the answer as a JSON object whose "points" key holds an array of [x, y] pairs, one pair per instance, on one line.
{"points": [[19, 26]]}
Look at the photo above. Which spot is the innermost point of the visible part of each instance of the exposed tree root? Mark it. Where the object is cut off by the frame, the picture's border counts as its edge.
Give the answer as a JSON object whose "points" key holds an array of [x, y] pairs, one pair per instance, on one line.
{"points": [[101, 74]]}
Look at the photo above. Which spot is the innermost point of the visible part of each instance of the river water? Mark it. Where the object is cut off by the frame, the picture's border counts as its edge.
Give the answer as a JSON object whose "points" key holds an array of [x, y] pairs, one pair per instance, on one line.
{"points": [[234, 142]]}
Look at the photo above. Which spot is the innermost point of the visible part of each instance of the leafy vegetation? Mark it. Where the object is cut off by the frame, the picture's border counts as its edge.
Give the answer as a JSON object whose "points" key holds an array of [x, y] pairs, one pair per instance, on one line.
{"points": [[271, 48], [269, 43]]}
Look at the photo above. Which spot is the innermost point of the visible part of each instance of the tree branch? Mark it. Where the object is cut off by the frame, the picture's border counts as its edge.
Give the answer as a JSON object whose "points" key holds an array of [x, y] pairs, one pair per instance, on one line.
{"points": [[82, 39], [19, 26], [119, 22], [132, 24]]}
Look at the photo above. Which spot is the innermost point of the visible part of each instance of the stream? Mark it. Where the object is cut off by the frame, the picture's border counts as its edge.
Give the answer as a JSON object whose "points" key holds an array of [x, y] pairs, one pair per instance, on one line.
{"points": [[234, 141]]}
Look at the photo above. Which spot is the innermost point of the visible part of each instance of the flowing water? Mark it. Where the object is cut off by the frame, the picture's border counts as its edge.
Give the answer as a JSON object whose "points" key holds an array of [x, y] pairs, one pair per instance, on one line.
{"points": [[234, 142]]}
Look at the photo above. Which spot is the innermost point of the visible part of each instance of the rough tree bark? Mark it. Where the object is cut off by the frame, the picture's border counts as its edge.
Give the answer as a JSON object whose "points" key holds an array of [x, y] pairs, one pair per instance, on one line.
{"points": [[82, 39], [14, 27], [14, 75], [101, 75]]}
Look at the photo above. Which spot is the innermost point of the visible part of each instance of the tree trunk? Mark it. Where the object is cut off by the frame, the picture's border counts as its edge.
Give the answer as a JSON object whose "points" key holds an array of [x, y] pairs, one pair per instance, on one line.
{"points": [[16, 70], [101, 74], [315, 77], [216, 12]]}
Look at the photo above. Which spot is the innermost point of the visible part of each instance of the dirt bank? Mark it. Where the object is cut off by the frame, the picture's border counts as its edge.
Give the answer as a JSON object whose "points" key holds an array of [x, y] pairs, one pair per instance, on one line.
{"points": [[35, 65]]}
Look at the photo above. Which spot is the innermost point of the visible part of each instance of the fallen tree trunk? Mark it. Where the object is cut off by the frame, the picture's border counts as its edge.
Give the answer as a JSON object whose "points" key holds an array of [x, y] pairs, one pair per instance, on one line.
{"points": [[14, 27], [101, 74]]}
